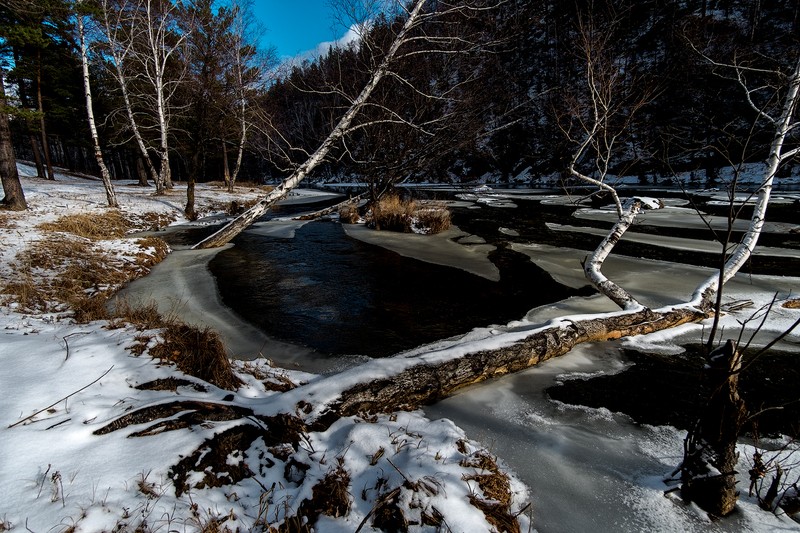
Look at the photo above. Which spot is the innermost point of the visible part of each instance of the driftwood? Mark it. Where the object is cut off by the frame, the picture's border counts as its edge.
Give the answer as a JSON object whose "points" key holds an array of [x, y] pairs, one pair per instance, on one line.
{"points": [[332, 209]]}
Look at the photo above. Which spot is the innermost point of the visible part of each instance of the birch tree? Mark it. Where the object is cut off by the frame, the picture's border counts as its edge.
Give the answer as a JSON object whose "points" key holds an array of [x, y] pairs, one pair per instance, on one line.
{"points": [[230, 230], [111, 195], [120, 34], [148, 47]]}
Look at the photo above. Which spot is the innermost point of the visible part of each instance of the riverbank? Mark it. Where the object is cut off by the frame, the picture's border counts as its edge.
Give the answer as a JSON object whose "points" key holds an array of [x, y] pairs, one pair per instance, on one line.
{"points": [[96, 434]]}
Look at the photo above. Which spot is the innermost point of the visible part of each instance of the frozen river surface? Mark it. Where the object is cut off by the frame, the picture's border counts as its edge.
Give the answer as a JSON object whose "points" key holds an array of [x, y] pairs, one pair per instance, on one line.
{"points": [[588, 469]]}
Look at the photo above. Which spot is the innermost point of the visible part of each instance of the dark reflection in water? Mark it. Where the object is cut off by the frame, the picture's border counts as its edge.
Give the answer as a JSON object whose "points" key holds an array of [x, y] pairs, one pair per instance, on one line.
{"points": [[339, 296]]}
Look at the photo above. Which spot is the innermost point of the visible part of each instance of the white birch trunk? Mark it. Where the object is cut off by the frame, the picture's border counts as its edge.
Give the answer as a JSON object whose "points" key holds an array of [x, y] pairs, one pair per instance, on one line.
{"points": [[111, 195], [591, 266], [705, 292], [118, 58], [233, 228]]}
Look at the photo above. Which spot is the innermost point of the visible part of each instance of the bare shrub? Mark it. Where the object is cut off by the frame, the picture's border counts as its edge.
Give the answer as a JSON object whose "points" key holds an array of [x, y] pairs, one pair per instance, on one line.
{"points": [[104, 225]]}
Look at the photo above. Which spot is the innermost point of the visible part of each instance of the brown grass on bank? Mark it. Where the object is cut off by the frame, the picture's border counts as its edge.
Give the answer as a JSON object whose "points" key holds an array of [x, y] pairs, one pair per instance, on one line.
{"points": [[496, 488], [110, 224], [64, 273], [433, 218], [392, 213], [197, 352], [7, 222], [70, 274], [792, 304]]}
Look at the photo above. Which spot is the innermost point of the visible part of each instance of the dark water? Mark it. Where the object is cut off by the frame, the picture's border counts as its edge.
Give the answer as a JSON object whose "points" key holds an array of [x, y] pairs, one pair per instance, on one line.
{"points": [[339, 295]]}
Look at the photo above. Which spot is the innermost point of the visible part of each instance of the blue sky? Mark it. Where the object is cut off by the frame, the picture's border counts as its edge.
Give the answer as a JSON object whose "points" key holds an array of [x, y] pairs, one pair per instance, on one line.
{"points": [[296, 26]]}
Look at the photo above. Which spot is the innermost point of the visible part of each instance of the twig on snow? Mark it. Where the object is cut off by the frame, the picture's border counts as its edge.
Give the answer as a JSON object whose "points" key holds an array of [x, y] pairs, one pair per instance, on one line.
{"points": [[62, 399]]}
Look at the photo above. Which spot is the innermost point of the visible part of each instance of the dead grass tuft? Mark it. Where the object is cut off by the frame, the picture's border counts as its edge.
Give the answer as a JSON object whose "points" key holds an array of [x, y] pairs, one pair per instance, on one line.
{"points": [[142, 316], [154, 250], [64, 273], [330, 497], [348, 214], [391, 213], [109, 224], [197, 352], [792, 304], [433, 218], [6, 222], [152, 220], [496, 489]]}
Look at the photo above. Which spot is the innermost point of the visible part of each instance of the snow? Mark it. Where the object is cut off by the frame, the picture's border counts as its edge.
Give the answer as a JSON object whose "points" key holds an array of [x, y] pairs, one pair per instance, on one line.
{"points": [[64, 381], [587, 469]]}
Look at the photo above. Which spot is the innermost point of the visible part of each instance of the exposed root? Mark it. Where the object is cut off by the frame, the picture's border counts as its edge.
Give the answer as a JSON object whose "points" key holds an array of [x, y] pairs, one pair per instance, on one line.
{"points": [[194, 413], [213, 460]]}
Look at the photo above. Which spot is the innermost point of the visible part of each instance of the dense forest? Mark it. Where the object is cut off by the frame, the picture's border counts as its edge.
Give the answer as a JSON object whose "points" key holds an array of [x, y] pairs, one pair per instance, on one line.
{"points": [[187, 91]]}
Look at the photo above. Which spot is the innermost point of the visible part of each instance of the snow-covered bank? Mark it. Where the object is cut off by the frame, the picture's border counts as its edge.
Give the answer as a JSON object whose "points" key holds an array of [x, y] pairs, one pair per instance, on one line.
{"points": [[70, 381], [69, 462]]}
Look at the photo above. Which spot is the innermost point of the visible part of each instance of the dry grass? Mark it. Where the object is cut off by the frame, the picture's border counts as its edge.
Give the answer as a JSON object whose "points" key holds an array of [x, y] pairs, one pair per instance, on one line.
{"points": [[67, 273], [433, 218], [391, 213], [197, 352], [348, 214], [7, 222], [496, 488], [109, 224], [792, 304]]}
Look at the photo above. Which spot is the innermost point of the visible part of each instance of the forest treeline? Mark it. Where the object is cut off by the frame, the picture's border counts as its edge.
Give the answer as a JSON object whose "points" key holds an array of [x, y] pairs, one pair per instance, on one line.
{"points": [[187, 91]]}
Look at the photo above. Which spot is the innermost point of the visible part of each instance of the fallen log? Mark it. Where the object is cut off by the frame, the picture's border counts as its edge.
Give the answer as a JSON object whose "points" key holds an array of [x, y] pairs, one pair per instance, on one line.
{"points": [[332, 209]]}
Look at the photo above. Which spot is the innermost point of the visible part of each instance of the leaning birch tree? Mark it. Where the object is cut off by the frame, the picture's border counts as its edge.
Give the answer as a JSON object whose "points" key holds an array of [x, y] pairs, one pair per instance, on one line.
{"points": [[105, 176], [236, 226]]}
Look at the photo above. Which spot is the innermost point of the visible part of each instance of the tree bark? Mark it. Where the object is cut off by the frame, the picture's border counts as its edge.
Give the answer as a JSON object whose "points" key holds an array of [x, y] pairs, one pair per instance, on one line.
{"points": [[111, 195], [37, 157], [713, 442], [45, 144], [236, 226], [14, 196]]}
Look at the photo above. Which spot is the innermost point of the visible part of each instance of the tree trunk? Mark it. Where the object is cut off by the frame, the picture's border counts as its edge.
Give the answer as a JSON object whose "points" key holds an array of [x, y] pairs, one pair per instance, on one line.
{"points": [[236, 226], [45, 143], [240, 150], [191, 214], [37, 157], [708, 472], [226, 174], [14, 197], [111, 195], [376, 387], [141, 172], [332, 209]]}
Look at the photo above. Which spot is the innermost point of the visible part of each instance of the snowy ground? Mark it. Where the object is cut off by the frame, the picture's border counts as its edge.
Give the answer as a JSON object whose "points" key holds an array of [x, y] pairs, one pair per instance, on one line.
{"points": [[63, 381]]}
